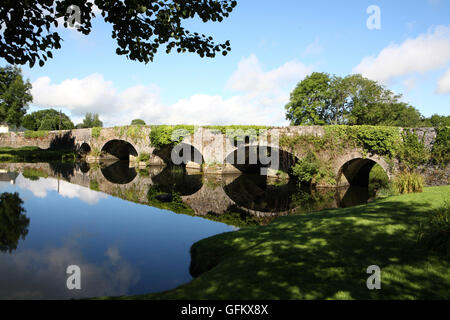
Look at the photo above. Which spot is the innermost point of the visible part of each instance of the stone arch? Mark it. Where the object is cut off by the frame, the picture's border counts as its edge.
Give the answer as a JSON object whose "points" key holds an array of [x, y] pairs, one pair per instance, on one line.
{"points": [[354, 169], [118, 150], [84, 148], [246, 158]]}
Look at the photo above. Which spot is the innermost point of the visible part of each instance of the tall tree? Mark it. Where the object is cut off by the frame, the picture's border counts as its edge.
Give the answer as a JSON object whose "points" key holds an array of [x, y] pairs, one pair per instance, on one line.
{"points": [[323, 99], [310, 100], [14, 95], [140, 27], [48, 119], [91, 120]]}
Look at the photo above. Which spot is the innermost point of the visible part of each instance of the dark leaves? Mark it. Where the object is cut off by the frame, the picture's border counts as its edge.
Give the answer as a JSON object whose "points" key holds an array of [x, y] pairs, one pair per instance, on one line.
{"points": [[139, 27]]}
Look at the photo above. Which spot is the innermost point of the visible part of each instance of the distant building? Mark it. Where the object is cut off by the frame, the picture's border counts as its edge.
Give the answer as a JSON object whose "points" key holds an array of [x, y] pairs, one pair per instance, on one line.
{"points": [[6, 176], [4, 128]]}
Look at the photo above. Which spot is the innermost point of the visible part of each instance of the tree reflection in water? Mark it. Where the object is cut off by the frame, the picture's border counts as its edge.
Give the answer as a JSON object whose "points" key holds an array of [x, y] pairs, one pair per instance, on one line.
{"points": [[13, 222]]}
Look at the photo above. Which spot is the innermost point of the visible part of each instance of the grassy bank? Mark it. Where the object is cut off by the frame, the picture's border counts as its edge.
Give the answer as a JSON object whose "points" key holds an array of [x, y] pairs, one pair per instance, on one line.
{"points": [[35, 154], [324, 255]]}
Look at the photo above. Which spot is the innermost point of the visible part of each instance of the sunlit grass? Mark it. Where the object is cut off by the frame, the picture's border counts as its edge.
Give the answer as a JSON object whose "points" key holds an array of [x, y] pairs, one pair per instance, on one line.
{"points": [[324, 255], [35, 154]]}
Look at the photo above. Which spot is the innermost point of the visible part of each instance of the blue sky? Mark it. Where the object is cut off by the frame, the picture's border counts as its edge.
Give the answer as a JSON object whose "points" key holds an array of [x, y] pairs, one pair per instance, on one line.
{"points": [[275, 44]]}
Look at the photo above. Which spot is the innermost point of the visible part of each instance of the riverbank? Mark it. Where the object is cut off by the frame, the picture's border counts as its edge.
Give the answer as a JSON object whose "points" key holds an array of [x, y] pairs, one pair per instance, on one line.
{"points": [[323, 255], [35, 154]]}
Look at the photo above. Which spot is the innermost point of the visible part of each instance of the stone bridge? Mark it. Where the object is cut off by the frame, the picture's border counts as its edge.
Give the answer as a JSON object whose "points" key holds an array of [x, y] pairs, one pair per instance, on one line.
{"points": [[209, 150]]}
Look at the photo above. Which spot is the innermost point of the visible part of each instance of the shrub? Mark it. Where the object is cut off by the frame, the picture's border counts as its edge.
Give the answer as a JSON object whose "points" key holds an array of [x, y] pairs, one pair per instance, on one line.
{"points": [[379, 140], [144, 157], [378, 180], [441, 148], [95, 152], [36, 134], [96, 131], [434, 230], [34, 174], [94, 185], [412, 152], [306, 168], [161, 136], [408, 182]]}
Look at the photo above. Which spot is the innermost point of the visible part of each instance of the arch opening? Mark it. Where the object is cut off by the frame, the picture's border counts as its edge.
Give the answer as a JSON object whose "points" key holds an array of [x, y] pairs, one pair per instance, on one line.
{"points": [[357, 172], [85, 148], [118, 150], [251, 159]]}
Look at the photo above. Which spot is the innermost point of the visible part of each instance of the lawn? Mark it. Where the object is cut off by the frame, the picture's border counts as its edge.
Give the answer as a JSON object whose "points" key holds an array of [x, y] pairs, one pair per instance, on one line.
{"points": [[35, 154], [323, 255]]}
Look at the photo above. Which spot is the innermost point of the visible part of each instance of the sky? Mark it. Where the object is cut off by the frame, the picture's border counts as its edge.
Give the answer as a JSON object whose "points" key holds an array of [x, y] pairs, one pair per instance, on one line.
{"points": [[275, 45]]}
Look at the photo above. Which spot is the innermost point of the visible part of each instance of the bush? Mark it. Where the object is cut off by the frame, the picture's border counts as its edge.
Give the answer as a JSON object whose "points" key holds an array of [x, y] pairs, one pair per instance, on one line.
{"points": [[380, 140], [36, 134], [412, 152], [96, 131], [94, 185], [434, 230], [408, 182], [164, 135], [441, 148], [34, 174], [306, 168], [144, 157]]}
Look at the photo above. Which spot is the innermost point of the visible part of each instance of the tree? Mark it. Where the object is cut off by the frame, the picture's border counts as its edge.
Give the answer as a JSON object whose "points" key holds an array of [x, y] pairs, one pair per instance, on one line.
{"points": [[354, 100], [14, 95], [91, 120], [48, 119], [13, 221], [437, 121], [138, 122], [139, 26], [309, 100]]}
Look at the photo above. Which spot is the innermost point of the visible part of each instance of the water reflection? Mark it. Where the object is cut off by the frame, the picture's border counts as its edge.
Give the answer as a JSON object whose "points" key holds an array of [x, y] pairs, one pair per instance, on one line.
{"points": [[13, 221], [188, 192], [118, 172], [128, 247]]}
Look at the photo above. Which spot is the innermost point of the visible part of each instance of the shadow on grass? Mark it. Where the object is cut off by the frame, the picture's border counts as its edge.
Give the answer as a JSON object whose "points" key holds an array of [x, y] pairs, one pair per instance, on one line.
{"points": [[323, 255], [33, 154]]}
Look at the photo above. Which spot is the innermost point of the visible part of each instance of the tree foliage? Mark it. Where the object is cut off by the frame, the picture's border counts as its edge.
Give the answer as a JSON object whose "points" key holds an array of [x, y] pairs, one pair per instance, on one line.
{"points": [[14, 95], [138, 122], [48, 119], [13, 222], [354, 100], [140, 27], [91, 120]]}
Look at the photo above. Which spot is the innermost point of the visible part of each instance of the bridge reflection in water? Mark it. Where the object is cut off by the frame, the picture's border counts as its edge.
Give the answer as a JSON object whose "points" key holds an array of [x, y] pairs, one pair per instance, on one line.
{"points": [[237, 200]]}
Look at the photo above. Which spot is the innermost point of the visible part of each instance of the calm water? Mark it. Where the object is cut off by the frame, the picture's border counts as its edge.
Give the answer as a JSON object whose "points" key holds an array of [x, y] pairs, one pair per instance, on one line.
{"points": [[129, 231]]}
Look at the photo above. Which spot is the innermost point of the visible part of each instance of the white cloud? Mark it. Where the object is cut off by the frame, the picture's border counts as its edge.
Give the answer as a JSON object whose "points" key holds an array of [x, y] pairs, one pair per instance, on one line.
{"points": [[261, 99], [48, 276], [444, 83], [314, 48], [429, 51], [250, 77], [41, 187]]}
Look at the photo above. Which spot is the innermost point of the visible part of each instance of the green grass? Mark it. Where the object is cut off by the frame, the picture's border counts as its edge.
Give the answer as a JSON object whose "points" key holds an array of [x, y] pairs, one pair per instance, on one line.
{"points": [[35, 154], [323, 255]]}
